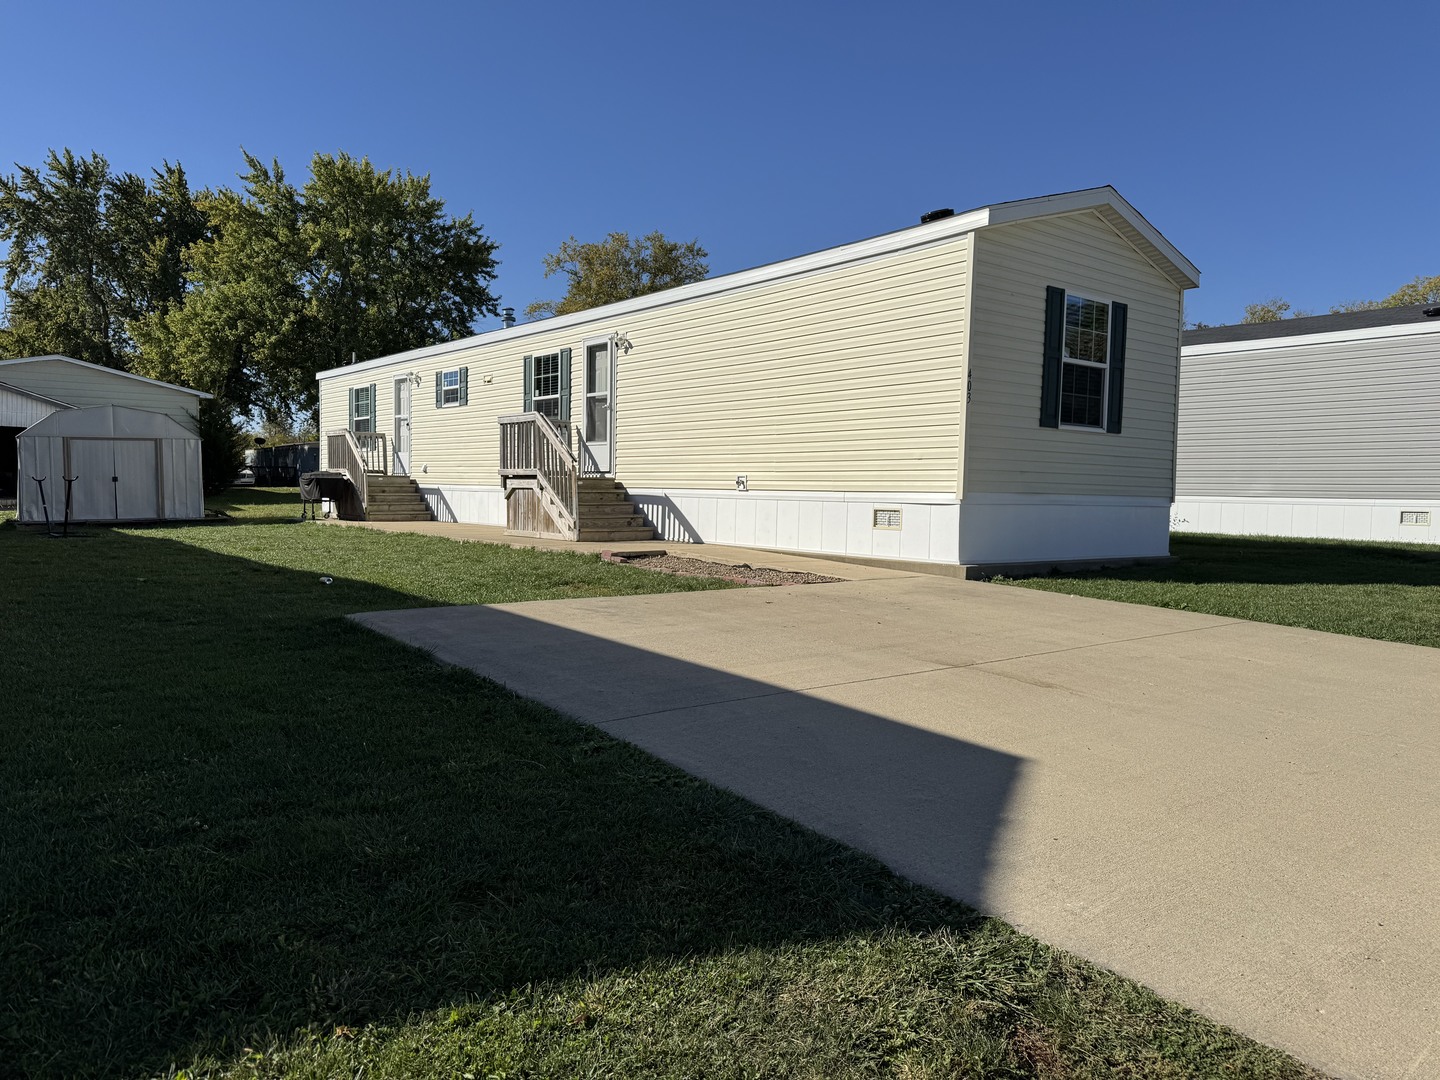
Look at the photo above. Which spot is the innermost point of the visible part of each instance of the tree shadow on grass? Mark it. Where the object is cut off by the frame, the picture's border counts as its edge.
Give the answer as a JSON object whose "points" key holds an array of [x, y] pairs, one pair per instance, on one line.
{"points": [[232, 813], [257, 505], [1205, 559]]}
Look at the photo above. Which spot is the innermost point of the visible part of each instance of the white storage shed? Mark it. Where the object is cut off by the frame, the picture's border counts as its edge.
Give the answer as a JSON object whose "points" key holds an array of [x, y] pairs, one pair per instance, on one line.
{"points": [[125, 464]]}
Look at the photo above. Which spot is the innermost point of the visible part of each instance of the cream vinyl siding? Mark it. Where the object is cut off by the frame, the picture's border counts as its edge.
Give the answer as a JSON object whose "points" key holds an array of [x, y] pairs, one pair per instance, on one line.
{"points": [[84, 387], [1353, 419], [846, 378], [1006, 448]]}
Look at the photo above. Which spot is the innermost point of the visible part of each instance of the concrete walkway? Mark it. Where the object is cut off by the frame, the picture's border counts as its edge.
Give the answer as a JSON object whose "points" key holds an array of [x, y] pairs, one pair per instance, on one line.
{"points": [[1244, 817]]}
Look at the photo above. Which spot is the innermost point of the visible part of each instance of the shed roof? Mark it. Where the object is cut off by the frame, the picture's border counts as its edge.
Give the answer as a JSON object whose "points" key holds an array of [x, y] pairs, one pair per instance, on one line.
{"points": [[52, 357], [109, 422], [1314, 324]]}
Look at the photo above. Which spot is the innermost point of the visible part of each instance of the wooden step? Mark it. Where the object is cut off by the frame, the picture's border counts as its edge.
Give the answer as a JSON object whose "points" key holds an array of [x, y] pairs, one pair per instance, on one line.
{"points": [[607, 509], [645, 533]]}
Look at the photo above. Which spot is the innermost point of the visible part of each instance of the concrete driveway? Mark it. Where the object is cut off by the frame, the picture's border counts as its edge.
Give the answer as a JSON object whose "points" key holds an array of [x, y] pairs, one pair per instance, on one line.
{"points": [[1244, 817]]}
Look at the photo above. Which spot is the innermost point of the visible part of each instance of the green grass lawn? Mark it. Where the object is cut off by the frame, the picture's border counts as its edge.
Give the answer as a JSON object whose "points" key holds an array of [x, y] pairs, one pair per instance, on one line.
{"points": [[1374, 590], [243, 837]]}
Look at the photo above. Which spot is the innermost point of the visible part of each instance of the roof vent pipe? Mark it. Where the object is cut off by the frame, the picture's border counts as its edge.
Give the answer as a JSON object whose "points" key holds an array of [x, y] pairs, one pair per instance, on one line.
{"points": [[936, 215], [507, 317]]}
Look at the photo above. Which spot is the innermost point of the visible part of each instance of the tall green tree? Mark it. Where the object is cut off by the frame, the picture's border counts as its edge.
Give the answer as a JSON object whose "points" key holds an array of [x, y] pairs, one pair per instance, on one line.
{"points": [[1423, 290], [1272, 310], [618, 268], [90, 251], [358, 262]]}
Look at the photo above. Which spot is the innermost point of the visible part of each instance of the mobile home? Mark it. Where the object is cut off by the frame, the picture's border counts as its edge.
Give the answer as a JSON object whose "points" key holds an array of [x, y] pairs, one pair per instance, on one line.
{"points": [[994, 386], [1326, 426]]}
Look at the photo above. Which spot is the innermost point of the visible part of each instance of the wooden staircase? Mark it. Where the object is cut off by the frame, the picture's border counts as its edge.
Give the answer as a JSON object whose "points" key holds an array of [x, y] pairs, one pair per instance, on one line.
{"points": [[394, 498], [605, 512]]}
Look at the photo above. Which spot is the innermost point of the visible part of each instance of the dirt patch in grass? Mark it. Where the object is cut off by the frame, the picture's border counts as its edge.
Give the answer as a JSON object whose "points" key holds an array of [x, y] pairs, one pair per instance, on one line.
{"points": [[741, 573]]}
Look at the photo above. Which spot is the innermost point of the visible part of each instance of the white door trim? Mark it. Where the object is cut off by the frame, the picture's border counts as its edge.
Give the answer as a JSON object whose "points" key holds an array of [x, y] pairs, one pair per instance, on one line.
{"points": [[401, 427], [600, 456]]}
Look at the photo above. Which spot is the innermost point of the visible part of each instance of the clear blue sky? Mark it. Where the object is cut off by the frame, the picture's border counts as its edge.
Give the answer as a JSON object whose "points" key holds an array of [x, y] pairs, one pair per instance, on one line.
{"points": [[1286, 148]]}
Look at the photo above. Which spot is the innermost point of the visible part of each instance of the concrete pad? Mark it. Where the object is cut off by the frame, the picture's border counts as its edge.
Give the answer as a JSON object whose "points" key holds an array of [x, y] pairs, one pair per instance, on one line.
{"points": [[1244, 817]]}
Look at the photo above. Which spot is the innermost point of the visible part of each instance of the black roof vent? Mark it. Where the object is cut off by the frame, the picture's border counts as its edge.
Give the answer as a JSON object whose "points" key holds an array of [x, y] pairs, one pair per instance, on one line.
{"points": [[936, 215], [1432, 312]]}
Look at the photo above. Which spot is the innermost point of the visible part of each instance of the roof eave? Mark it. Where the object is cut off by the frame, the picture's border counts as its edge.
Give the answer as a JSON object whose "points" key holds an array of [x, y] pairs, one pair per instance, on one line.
{"points": [[112, 371], [1121, 216]]}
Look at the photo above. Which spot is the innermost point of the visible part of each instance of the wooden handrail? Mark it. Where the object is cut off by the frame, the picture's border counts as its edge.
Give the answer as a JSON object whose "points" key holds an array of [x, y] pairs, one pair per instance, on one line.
{"points": [[532, 447], [344, 453], [370, 446]]}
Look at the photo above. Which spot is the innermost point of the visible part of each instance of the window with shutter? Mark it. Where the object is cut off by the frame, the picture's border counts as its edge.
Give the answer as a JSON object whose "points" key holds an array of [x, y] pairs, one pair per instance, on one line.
{"points": [[544, 386], [1082, 385], [362, 408], [449, 389]]}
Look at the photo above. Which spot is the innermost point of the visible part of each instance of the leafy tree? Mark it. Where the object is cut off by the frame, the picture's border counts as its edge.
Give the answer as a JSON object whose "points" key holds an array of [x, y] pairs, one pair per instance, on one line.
{"points": [[89, 251], [618, 268], [1272, 310], [357, 263], [1423, 290], [222, 451]]}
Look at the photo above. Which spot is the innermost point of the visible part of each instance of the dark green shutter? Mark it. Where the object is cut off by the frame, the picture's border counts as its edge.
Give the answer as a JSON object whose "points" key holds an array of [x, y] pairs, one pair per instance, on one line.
{"points": [[350, 394], [373, 410], [1054, 348], [565, 384], [1116, 378], [464, 386], [529, 383], [439, 389]]}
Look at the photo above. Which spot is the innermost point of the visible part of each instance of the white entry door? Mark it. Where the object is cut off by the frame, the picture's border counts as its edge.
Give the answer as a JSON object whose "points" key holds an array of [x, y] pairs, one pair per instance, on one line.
{"points": [[401, 439], [599, 424]]}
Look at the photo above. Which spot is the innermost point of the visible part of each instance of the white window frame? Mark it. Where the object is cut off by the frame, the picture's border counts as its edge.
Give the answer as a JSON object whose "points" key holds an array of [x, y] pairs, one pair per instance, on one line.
{"points": [[446, 389], [1104, 368], [369, 417], [536, 399]]}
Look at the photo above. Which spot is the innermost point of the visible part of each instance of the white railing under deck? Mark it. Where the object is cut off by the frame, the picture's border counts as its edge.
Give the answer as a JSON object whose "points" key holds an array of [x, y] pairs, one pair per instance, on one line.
{"points": [[536, 457], [357, 454]]}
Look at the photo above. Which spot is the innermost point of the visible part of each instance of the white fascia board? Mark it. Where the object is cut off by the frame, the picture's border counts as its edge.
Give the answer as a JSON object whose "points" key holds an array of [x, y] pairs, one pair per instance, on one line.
{"points": [[1184, 271], [1181, 269], [1334, 337], [914, 236], [108, 371]]}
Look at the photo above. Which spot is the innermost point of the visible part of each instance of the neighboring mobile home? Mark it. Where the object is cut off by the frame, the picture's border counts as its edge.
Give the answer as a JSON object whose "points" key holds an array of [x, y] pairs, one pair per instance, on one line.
{"points": [[997, 386], [1315, 427], [131, 443]]}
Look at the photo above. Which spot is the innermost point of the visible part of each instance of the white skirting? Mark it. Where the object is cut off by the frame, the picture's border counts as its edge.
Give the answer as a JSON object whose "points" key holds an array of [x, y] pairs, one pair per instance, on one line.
{"points": [[923, 527], [1334, 519], [471, 505], [932, 528], [1000, 528]]}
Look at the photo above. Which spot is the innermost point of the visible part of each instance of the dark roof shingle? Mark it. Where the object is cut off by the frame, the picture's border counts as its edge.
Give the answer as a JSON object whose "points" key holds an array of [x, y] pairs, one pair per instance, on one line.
{"points": [[1313, 324]]}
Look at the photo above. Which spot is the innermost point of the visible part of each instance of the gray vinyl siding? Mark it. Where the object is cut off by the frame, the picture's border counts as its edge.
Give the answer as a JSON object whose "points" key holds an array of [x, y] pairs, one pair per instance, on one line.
{"points": [[21, 410], [1006, 449], [1354, 419], [85, 387]]}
